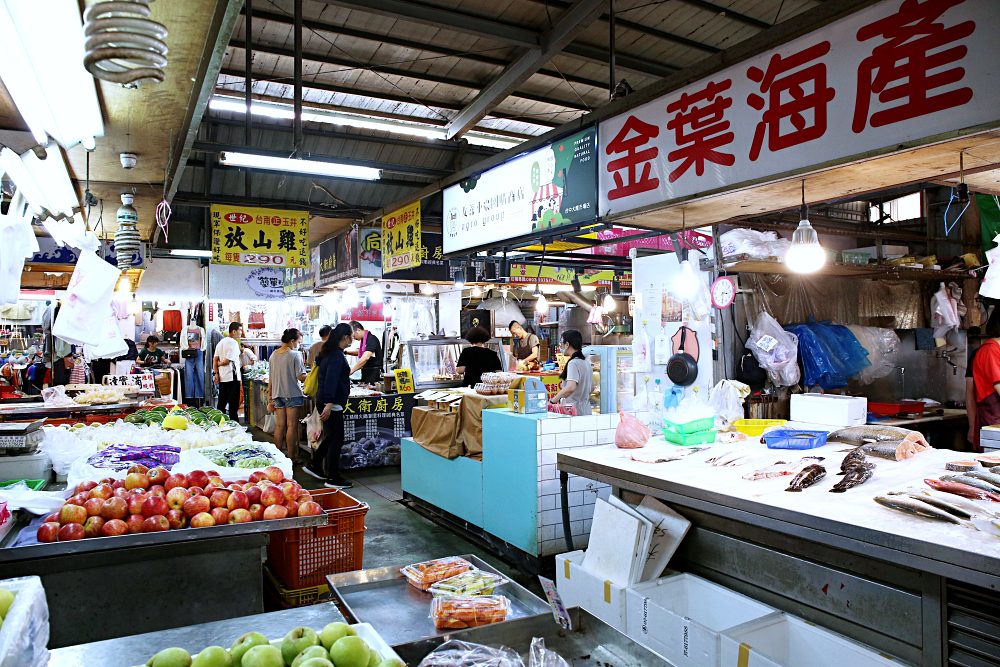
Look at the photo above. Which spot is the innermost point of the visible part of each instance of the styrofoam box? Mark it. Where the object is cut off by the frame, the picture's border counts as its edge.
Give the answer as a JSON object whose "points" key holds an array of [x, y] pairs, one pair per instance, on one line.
{"points": [[26, 466], [829, 409], [888, 251], [787, 641], [579, 588], [681, 617]]}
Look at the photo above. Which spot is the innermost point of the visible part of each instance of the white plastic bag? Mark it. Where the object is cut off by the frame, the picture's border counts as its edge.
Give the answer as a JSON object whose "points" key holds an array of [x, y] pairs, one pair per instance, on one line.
{"points": [[314, 429], [747, 242], [20, 497], [726, 398], [944, 313], [55, 397], [776, 350], [543, 657], [25, 631], [111, 344], [63, 448], [267, 426], [81, 317], [881, 345]]}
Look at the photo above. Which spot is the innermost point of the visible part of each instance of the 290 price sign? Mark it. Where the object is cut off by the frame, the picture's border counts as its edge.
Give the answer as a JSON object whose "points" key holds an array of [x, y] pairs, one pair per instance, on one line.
{"points": [[401, 239]]}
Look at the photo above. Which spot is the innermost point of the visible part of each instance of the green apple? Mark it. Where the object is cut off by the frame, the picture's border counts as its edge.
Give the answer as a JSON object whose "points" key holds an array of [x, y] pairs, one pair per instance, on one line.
{"points": [[392, 662], [317, 662], [350, 652], [296, 641], [311, 652], [263, 656], [6, 600], [374, 658], [244, 644], [334, 631], [170, 657], [213, 656]]}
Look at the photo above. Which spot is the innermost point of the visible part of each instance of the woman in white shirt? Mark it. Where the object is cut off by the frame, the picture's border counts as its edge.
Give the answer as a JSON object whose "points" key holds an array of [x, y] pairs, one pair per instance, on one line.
{"points": [[577, 376], [287, 370]]}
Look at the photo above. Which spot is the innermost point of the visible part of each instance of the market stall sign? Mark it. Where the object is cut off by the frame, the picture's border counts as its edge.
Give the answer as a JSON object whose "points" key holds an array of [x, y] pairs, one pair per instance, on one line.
{"points": [[527, 274], [49, 252], [373, 429], [401, 238], [551, 187], [338, 257], [250, 236], [433, 265], [373, 312], [896, 73], [662, 243], [267, 283], [404, 380], [370, 252], [297, 280], [144, 381]]}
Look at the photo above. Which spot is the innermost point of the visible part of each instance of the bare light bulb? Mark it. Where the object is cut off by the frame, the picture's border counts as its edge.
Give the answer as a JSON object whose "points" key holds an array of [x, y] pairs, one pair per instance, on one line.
{"points": [[686, 283], [805, 254], [350, 297], [542, 305], [609, 303]]}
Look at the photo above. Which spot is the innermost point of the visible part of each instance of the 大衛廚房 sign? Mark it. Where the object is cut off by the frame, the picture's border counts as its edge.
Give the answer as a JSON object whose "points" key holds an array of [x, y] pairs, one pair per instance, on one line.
{"points": [[550, 187], [401, 238], [897, 72], [373, 429], [433, 266], [249, 236]]}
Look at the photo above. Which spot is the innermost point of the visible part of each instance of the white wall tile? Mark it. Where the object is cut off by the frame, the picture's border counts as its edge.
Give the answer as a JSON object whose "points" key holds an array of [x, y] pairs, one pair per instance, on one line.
{"points": [[564, 440], [613, 420], [580, 513], [548, 487], [548, 533], [587, 523], [604, 492], [575, 498], [588, 423], [606, 436], [547, 441], [548, 502], [580, 483], [547, 472], [551, 517], [549, 457], [590, 438], [603, 421], [555, 425]]}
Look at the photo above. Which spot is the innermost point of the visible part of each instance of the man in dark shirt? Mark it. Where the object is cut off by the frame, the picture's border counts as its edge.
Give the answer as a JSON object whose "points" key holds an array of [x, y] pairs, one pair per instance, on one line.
{"points": [[369, 355]]}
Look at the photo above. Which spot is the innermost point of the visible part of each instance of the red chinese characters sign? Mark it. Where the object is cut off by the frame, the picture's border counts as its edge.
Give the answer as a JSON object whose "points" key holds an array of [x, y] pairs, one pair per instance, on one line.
{"points": [[898, 71]]}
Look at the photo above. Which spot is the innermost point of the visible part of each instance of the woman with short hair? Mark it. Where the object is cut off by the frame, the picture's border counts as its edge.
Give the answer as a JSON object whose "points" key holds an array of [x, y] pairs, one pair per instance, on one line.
{"points": [[286, 371]]}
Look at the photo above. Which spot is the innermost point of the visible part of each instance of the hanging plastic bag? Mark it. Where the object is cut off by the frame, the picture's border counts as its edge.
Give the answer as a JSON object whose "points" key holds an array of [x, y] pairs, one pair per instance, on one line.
{"points": [[314, 429], [776, 350], [991, 281], [88, 300], [726, 398], [267, 425], [111, 344], [631, 433], [641, 358], [311, 386], [944, 314], [882, 345]]}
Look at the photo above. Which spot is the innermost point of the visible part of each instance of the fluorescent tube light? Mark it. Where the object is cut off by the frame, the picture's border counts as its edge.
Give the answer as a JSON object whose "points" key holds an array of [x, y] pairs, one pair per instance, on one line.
{"points": [[316, 167], [182, 252]]}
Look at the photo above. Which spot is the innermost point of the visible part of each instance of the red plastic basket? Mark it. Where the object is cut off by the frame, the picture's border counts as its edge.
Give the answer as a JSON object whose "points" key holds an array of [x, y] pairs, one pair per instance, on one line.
{"points": [[302, 557]]}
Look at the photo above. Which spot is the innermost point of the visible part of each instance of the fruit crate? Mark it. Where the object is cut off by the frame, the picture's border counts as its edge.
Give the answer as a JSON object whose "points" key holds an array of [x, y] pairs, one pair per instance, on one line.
{"points": [[301, 557], [287, 598]]}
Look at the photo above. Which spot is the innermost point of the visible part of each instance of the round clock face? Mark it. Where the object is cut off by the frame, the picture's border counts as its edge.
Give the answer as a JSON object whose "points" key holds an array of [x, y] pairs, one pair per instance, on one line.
{"points": [[723, 292]]}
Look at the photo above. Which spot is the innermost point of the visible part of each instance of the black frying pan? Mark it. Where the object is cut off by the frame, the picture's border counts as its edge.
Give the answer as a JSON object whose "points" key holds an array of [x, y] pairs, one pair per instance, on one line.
{"points": [[682, 369]]}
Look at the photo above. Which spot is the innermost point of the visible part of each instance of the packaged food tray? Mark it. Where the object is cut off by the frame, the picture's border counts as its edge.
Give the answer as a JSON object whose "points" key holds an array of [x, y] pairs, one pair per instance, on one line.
{"points": [[302, 557], [706, 424], [785, 438], [425, 574], [693, 438], [460, 612], [756, 427]]}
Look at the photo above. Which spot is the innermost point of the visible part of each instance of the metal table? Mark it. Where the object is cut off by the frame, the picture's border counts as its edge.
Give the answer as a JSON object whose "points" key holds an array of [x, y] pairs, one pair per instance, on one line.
{"points": [[137, 649], [104, 588], [897, 587]]}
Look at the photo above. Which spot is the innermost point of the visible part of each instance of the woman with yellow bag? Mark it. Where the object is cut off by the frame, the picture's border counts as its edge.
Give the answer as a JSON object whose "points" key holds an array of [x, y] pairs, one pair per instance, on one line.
{"points": [[286, 370]]}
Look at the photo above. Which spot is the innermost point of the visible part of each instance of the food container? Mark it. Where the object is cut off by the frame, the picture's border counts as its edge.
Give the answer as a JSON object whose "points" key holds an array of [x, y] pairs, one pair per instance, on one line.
{"points": [[456, 613], [427, 573], [694, 438], [756, 427], [829, 409], [705, 424], [895, 408], [470, 582], [784, 438]]}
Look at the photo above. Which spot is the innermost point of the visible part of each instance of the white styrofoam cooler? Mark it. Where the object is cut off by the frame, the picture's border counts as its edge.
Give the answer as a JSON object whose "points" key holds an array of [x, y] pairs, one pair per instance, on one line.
{"points": [[786, 641], [26, 466], [989, 438], [829, 409], [681, 617], [579, 588]]}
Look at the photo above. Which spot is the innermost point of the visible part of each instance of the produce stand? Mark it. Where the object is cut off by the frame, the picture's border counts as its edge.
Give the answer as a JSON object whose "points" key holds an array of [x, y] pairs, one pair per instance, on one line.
{"points": [[137, 649], [917, 589], [109, 587], [401, 613], [36, 410]]}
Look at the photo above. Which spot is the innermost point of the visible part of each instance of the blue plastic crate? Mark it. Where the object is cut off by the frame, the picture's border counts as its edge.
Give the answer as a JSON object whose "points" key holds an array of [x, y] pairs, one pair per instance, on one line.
{"points": [[786, 438]]}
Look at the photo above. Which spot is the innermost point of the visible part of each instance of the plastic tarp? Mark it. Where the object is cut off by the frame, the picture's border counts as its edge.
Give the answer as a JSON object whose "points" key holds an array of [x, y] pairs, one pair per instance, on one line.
{"points": [[830, 354]]}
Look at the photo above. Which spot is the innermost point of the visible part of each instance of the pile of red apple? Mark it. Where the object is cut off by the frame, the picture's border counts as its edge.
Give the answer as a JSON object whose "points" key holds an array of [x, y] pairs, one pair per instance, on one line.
{"points": [[154, 500]]}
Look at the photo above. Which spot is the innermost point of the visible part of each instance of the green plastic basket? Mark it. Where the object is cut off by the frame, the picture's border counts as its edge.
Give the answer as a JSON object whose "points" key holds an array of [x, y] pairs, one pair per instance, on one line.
{"points": [[706, 424], [696, 438], [33, 484]]}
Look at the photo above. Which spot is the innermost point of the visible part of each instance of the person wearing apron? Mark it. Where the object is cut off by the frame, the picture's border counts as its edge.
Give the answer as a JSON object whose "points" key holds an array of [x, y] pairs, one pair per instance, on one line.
{"points": [[986, 377], [369, 355], [527, 349]]}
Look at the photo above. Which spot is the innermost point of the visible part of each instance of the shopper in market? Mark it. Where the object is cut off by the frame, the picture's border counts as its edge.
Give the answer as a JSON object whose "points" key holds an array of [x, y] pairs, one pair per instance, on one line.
{"points": [[477, 358], [334, 389], [314, 350], [286, 371], [986, 377], [226, 371], [150, 354], [369, 354], [527, 349], [578, 375]]}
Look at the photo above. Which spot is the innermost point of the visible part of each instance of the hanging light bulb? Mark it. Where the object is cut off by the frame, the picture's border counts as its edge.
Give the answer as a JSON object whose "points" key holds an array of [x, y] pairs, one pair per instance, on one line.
{"points": [[330, 301], [609, 303], [427, 289], [805, 255], [542, 305], [686, 282], [350, 297], [459, 279], [477, 291], [375, 293]]}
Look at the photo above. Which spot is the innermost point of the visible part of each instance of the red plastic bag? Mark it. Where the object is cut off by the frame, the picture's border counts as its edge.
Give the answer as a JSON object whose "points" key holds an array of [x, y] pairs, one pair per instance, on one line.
{"points": [[631, 433]]}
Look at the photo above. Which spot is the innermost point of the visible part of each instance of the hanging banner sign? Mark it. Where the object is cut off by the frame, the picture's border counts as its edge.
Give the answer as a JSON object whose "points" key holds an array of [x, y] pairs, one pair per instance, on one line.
{"points": [[433, 266], [527, 274], [267, 283], [550, 187], [338, 257], [144, 381], [250, 236], [298, 281], [898, 71], [662, 243], [401, 238], [370, 252]]}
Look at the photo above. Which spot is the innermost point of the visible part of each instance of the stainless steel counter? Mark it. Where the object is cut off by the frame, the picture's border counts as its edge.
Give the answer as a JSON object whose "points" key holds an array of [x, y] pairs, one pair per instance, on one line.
{"points": [[137, 649]]}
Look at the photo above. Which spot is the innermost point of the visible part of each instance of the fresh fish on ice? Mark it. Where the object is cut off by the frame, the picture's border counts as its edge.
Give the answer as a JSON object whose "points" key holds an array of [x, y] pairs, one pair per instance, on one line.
{"points": [[960, 489], [855, 475], [860, 435], [986, 476], [893, 450], [943, 505], [856, 455], [781, 468], [952, 499], [807, 477], [653, 458], [915, 507], [966, 479], [728, 459]]}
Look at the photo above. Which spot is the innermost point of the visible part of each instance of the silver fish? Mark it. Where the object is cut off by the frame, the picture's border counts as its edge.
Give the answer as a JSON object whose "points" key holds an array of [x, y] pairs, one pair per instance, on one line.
{"points": [[638, 458], [970, 481], [991, 477], [964, 504], [941, 505], [727, 459], [859, 435], [910, 506], [781, 468]]}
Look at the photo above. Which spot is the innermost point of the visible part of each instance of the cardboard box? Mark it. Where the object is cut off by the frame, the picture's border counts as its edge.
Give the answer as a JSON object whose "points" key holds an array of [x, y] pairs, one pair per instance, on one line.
{"points": [[579, 588], [530, 397], [829, 409], [682, 617]]}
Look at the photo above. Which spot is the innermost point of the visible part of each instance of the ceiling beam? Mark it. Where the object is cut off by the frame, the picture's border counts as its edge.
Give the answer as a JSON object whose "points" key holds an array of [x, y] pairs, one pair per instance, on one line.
{"points": [[575, 19], [745, 19], [199, 200], [396, 71], [318, 26]]}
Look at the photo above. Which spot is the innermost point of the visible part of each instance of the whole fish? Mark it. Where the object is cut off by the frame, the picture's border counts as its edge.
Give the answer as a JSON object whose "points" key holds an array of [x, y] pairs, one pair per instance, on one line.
{"points": [[964, 504], [728, 459], [986, 476], [941, 505], [781, 468], [856, 455], [639, 458], [960, 489], [855, 475], [807, 477], [910, 506], [860, 435], [971, 481]]}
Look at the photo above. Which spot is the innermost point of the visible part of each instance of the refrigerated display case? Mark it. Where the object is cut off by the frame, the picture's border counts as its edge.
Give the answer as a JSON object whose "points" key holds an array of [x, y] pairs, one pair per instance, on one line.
{"points": [[433, 361], [614, 379]]}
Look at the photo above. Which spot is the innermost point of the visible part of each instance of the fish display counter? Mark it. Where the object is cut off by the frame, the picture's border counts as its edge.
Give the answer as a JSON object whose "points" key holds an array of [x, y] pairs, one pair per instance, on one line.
{"points": [[890, 542]]}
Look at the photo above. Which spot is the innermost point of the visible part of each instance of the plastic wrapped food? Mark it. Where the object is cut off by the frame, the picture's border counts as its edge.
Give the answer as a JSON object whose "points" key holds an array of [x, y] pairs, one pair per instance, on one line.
{"points": [[470, 582], [456, 613], [456, 653], [121, 457], [429, 572]]}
